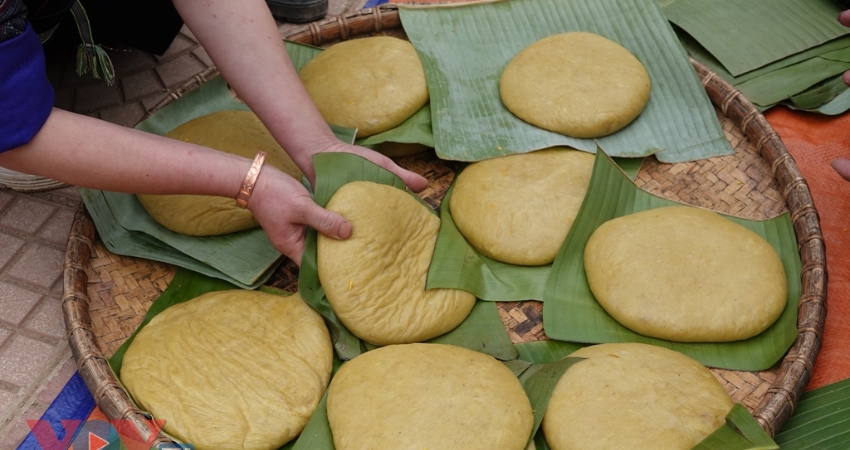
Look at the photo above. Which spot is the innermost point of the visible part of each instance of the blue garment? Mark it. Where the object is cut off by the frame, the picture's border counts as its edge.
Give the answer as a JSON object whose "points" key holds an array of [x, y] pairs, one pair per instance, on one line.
{"points": [[26, 96]]}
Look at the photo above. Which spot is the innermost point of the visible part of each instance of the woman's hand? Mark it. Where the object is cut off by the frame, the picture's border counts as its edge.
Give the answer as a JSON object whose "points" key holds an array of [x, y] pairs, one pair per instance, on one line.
{"points": [[284, 209], [414, 181]]}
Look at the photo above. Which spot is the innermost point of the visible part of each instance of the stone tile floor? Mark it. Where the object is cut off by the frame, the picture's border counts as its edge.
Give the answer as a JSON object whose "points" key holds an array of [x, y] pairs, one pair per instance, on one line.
{"points": [[35, 358]]}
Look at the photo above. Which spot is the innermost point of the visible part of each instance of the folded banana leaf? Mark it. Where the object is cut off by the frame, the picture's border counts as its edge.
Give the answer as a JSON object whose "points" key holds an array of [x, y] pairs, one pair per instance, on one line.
{"points": [[123, 241], [542, 352], [482, 330], [820, 421], [571, 313], [796, 76], [740, 432], [747, 34], [456, 264], [465, 47], [819, 97], [838, 105]]}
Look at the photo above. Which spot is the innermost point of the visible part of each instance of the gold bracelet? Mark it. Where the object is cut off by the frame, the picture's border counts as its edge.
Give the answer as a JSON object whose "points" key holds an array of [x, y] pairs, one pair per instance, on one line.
{"points": [[250, 180]]}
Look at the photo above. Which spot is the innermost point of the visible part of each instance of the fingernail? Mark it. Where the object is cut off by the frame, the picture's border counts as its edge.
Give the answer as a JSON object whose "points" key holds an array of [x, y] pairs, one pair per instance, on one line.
{"points": [[344, 230]]}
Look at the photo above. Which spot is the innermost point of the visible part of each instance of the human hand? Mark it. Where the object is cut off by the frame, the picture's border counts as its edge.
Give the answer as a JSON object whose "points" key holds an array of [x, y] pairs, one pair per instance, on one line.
{"points": [[841, 165], [844, 19], [414, 181], [284, 209]]}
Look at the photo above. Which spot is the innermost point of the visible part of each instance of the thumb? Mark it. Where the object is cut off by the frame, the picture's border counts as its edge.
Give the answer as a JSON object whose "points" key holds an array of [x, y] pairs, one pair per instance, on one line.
{"points": [[328, 223]]}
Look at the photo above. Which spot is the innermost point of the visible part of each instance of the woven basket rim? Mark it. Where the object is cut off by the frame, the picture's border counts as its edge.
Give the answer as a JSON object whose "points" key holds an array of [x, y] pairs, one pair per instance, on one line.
{"points": [[796, 367]]}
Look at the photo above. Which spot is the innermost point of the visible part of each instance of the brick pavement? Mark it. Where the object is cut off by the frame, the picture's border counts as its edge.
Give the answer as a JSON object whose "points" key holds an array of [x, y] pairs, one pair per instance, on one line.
{"points": [[35, 358]]}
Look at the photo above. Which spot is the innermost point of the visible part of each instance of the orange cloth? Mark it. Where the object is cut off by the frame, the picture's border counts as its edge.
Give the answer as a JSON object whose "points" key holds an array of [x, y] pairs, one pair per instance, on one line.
{"points": [[814, 141]]}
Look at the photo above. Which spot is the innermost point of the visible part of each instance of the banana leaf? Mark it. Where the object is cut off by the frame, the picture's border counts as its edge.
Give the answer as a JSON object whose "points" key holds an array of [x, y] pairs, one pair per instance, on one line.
{"points": [[838, 105], [122, 241], [539, 381], [245, 255], [820, 421], [458, 265], [747, 34], [740, 432], [415, 130], [482, 330], [571, 313], [775, 82], [464, 49], [542, 352], [783, 83], [819, 96]]}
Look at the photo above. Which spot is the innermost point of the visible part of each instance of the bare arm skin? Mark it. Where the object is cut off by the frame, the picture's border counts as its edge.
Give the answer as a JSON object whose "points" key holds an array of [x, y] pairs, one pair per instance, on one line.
{"points": [[243, 41]]}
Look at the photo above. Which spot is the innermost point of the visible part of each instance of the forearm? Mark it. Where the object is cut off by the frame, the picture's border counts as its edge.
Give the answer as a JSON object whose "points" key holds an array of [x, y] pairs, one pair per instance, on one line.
{"points": [[88, 152], [245, 44]]}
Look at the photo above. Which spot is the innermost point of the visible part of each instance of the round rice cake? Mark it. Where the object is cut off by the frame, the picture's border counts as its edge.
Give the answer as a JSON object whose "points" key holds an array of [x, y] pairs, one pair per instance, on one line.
{"points": [[518, 209], [231, 369], [578, 84], [685, 274], [635, 396], [375, 279], [237, 132], [372, 84], [427, 396]]}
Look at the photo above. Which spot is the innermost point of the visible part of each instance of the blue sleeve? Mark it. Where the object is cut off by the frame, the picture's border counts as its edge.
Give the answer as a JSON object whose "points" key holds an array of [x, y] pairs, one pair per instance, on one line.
{"points": [[26, 96]]}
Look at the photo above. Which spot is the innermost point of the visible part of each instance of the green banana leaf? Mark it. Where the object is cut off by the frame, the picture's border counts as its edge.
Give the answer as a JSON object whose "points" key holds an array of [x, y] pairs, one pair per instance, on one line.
{"points": [[571, 313], [838, 105], [783, 83], [747, 34], [415, 130], [543, 352], [464, 49], [820, 421], [789, 77], [246, 256], [482, 330], [458, 265], [819, 96], [122, 241], [740, 432]]}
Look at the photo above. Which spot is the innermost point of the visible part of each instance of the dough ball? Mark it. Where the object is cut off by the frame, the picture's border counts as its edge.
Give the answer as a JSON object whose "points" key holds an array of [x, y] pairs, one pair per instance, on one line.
{"points": [[231, 369], [634, 396], [372, 84], [375, 279], [685, 274], [518, 209], [237, 132], [427, 396], [578, 84]]}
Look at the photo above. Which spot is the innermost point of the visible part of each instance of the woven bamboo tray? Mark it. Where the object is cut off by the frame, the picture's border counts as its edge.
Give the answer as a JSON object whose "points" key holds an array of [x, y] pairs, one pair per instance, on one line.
{"points": [[106, 296]]}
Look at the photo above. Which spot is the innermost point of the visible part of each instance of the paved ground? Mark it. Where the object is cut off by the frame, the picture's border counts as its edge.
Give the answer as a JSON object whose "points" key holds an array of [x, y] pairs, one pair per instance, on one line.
{"points": [[35, 359]]}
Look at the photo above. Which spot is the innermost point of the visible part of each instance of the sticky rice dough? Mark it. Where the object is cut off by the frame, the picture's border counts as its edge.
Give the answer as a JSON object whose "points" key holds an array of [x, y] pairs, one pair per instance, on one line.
{"points": [[518, 209], [237, 132], [634, 396], [372, 84], [427, 396], [231, 369], [685, 274], [375, 279], [578, 84]]}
